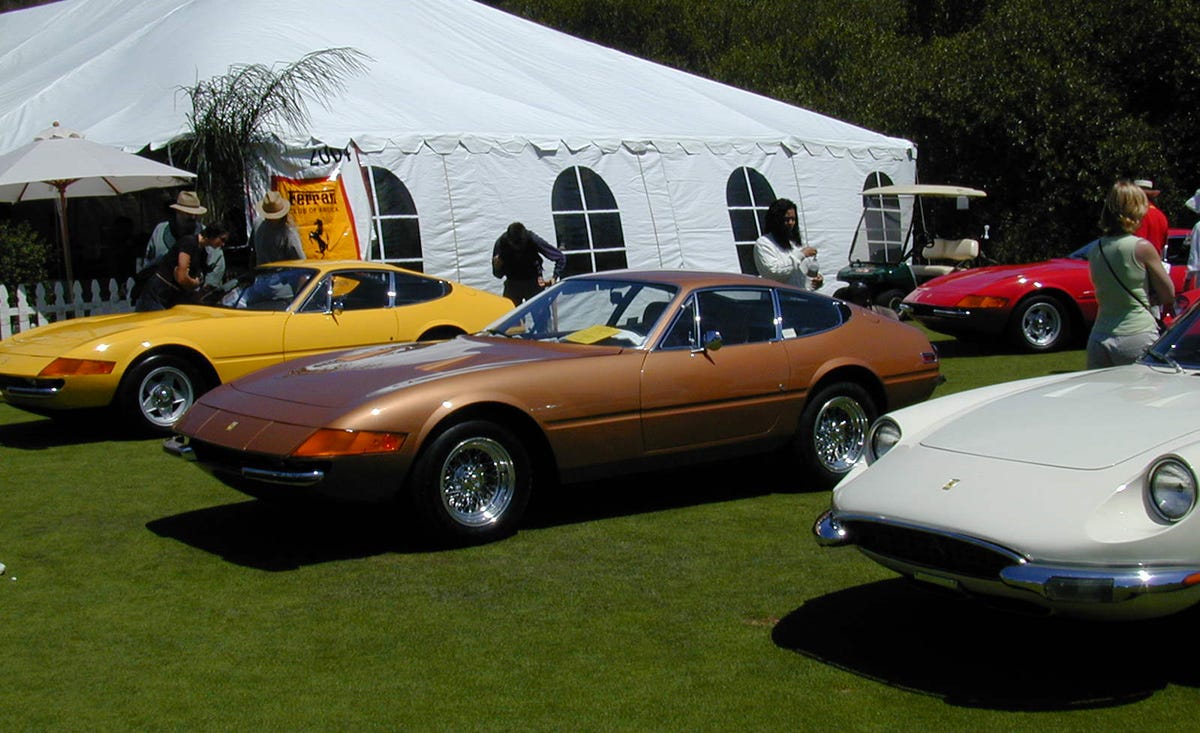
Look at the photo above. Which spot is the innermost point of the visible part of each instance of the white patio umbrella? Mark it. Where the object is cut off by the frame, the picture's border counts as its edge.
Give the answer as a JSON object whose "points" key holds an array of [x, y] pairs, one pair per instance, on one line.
{"points": [[60, 164]]}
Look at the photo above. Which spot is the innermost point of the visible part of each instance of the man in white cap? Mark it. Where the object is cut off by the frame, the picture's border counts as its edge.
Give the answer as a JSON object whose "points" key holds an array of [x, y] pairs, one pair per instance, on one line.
{"points": [[1192, 280], [185, 221], [274, 237], [1154, 223]]}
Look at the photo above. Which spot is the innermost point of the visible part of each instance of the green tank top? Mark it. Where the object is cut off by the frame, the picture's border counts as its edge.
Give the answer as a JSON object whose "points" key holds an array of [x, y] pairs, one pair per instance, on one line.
{"points": [[1120, 313]]}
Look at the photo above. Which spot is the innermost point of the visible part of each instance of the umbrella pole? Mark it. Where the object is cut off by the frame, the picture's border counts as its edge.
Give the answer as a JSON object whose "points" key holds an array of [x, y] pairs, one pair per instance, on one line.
{"points": [[66, 241]]}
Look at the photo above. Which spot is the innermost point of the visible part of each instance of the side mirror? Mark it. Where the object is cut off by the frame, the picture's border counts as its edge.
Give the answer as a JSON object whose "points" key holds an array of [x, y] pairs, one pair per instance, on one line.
{"points": [[713, 341]]}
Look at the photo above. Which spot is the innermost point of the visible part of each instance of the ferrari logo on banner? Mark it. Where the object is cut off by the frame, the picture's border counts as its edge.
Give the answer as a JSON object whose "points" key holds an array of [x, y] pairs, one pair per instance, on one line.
{"points": [[322, 216]]}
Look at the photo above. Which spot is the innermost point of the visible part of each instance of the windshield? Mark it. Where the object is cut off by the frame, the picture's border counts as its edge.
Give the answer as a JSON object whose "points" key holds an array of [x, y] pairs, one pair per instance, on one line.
{"points": [[1082, 252], [588, 311], [266, 288], [1180, 345]]}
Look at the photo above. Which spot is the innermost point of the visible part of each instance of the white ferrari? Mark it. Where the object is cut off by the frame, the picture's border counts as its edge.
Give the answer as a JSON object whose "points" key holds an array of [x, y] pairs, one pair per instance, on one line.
{"points": [[1073, 493]]}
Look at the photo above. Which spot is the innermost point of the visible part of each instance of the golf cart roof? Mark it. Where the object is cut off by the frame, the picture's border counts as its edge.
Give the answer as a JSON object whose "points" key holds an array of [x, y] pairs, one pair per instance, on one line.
{"points": [[924, 189]]}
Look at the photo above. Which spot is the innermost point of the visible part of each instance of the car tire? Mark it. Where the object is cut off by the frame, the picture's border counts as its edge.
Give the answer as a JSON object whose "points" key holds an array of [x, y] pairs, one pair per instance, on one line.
{"points": [[833, 431], [891, 299], [1040, 323], [472, 482], [156, 392]]}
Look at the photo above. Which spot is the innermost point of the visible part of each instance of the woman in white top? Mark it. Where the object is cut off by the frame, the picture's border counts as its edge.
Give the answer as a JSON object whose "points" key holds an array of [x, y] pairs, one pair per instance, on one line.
{"points": [[780, 256]]}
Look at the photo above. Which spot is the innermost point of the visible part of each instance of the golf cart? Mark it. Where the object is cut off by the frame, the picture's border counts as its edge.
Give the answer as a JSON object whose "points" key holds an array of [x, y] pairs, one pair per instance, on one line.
{"points": [[890, 256]]}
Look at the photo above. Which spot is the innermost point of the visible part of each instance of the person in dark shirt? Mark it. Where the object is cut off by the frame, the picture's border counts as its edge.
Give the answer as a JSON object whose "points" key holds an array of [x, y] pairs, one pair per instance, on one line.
{"points": [[517, 257], [180, 273]]}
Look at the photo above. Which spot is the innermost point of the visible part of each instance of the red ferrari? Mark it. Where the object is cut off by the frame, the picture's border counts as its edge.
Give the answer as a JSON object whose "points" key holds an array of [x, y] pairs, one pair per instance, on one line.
{"points": [[1037, 307]]}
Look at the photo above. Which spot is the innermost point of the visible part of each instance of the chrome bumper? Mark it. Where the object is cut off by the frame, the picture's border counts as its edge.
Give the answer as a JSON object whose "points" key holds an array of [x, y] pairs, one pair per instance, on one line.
{"points": [[1098, 584], [179, 447], [1058, 584]]}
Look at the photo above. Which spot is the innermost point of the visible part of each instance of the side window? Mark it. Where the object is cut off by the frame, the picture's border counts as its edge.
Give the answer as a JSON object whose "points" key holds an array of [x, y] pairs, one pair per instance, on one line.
{"points": [[802, 314], [881, 217], [351, 290], [747, 195], [587, 222], [412, 289], [741, 315], [395, 230], [682, 334]]}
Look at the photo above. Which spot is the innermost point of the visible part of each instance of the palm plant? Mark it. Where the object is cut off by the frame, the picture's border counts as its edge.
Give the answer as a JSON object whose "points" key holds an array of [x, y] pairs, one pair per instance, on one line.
{"points": [[234, 115]]}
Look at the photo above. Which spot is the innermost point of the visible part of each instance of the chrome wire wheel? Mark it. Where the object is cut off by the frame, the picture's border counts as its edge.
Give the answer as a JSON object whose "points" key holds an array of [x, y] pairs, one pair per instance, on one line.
{"points": [[164, 394], [840, 434], [1042, 324], [477, 481]]}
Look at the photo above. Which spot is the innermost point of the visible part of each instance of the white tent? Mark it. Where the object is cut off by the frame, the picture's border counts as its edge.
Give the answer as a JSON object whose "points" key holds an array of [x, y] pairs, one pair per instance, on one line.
{"points": [[467, 119]]}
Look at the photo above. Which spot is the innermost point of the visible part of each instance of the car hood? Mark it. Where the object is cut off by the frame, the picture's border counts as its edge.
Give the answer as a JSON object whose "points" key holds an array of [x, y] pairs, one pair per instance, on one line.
{"points": [[979, 280], [57, 338], [350, 378], [1091, 421]]}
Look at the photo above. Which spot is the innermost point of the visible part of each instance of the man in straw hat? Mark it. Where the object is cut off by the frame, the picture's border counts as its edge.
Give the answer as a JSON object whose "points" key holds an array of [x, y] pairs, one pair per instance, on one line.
{"points": [[184, 222], [1154, 223], [274, 237]]}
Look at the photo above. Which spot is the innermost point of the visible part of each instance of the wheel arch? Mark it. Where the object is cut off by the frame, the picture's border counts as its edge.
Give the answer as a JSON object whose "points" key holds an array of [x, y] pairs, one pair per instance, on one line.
{"points": [[440, 332], [207, 371], [541, 455], [1069, 304], [1074, 324], [858, 374]]}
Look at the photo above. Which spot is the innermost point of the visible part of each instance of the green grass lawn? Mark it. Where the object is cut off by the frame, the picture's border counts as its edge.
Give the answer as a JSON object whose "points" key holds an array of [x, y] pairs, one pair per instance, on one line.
{"points": [[143, 595]]}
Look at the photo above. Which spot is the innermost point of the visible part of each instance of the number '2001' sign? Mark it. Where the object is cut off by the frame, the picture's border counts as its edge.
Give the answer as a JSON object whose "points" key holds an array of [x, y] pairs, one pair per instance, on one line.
{"points": [[327, 156]]}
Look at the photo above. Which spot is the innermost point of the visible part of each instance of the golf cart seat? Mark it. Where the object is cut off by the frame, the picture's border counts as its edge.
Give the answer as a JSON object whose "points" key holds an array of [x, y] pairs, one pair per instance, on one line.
{"points": [[943, 256]]}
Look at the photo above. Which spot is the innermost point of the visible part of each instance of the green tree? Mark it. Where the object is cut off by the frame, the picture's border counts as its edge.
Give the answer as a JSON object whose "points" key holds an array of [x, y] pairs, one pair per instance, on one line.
{"points": [[1042, 105], [25, 257], [234, 115]]}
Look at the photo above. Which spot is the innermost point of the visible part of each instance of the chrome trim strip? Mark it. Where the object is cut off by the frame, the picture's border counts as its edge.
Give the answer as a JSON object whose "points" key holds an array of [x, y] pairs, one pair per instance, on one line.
{"points": [[1127, 582], [40, 392], [289, 478], [178, 447]]}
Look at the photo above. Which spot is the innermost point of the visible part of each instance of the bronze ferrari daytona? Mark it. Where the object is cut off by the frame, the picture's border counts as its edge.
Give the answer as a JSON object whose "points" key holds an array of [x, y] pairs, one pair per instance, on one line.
{"points": [[607, 373]]}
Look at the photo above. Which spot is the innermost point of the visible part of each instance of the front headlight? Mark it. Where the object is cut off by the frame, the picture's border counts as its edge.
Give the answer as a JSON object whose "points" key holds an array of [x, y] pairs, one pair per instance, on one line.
{"points": [[1171, 488], [882, 437]]}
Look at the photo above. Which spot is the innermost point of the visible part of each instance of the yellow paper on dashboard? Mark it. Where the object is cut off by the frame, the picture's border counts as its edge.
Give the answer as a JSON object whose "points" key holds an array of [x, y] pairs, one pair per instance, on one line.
{"points": [[592, 334]]}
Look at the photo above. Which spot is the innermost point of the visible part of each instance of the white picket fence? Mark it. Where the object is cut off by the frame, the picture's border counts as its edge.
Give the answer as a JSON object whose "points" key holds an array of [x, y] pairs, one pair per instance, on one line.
{"points": [[25, 306]]}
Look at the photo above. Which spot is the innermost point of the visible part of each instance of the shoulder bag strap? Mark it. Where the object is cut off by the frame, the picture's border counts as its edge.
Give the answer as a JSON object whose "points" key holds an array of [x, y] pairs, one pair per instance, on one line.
{"points": [[1144, 304]]}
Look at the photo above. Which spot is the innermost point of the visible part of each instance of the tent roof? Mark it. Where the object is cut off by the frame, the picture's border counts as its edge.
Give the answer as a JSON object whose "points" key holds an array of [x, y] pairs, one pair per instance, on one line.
{"points": [[444, 73]]}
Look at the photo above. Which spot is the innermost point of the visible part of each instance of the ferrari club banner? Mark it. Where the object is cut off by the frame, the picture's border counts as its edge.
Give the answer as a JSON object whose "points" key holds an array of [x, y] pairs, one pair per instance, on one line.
{"points": [[322, 216]]}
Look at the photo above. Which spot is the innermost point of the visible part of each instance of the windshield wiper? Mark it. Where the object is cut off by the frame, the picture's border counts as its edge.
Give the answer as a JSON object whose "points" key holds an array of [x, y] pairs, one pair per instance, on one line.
{"points": [[1166, 359]]}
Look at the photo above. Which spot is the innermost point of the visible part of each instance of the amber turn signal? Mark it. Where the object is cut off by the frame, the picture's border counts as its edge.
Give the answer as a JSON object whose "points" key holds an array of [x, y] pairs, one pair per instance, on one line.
{"points": [[328, 442], [62, 367], [981, 301]]}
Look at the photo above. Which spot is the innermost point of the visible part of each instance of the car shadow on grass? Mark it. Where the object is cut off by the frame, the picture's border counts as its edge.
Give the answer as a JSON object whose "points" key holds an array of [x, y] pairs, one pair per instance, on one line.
{"points": [[644, 493], [279, 536], [286, 535], [76, 429], [971, 655]]}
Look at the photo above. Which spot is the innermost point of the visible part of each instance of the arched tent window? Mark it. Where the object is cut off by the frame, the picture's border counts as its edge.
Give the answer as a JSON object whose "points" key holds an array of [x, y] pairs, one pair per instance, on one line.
{"points": [[395, 230], [881, 220], [748, 195], [587, 222]]}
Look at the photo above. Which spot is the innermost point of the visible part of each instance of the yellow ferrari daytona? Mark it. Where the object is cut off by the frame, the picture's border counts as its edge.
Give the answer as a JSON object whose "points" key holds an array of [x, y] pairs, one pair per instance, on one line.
{"points": [[152, 366]]}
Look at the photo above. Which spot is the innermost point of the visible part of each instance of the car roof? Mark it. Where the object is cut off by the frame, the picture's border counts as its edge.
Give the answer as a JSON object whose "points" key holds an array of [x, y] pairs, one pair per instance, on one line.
{"points": [[925, 189], [683, 278], [327, 265]]}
